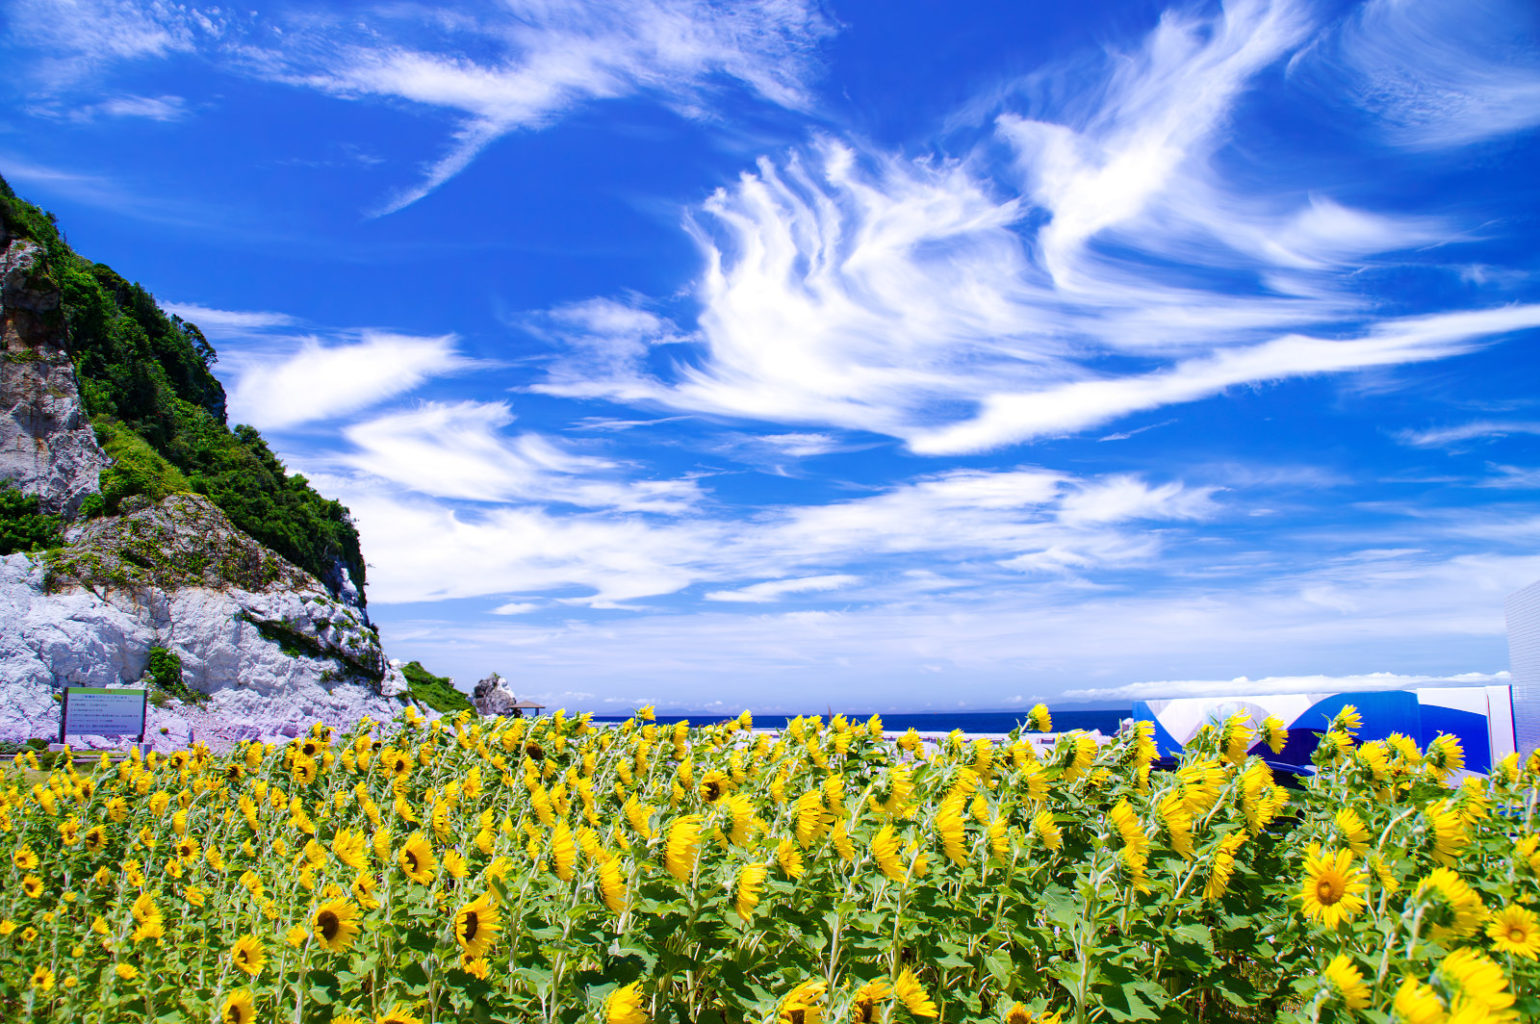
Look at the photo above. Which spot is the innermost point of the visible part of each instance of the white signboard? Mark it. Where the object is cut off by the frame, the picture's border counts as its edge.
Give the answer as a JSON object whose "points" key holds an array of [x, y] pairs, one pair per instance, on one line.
{"points": [[98, 711]]}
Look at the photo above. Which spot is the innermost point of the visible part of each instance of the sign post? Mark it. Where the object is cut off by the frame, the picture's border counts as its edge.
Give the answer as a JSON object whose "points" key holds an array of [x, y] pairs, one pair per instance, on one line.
{"points": [[99, 711]]}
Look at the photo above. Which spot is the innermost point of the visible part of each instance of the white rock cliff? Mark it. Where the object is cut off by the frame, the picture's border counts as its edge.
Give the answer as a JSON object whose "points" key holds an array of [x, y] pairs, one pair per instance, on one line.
{"points": [[265, 642]]}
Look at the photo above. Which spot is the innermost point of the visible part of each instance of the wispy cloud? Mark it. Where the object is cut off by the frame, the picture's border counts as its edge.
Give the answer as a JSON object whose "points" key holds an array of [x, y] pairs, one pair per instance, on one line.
{"points": [[1421, 618], [496, 70], [286, 383], [1113, 268], [225, 323], [460, 450], [80, 39], [1436, 73], [1477, 430], [1006, 418], [147, 108], [774, 590], [990, 527]]}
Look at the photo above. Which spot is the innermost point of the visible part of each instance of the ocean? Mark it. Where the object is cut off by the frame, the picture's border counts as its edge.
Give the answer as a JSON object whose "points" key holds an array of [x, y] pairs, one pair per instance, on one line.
{"points": [[932, 723]]}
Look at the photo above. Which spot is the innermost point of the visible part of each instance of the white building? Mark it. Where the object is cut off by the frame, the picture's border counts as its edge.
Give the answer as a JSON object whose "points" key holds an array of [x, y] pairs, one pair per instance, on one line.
{"points": [[1524, 661]]}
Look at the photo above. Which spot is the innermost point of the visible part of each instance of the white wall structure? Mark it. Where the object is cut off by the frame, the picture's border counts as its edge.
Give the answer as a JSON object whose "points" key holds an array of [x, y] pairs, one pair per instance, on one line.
{"points": [[1524, 661]]}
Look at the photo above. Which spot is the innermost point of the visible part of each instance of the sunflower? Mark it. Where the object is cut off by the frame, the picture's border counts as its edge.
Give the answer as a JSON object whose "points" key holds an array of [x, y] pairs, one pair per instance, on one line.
{"points": [[32, 886], [802, 1004], [42, 979], [188, 849], [683, 846], [1333, 889], [809, 818], [864, 1009], [147, 914], [885, 848], [1444, 756], [1353, 830], [1417, 1003], [1466, 910], [1081, 752], [397, 1015], [1348, 720], [416, 859], [1038, 719], [624, 1006], [335, 924], [237, 1008], [789, 859], [912, 994], [953, 832], [1481, 984], [351, 848], [612, 884], [1274, 734], [564, 851], [1047, 829], [1019, 1014], [1348, 982], [1235, 737], [296, 936], [1136, 845], [96, 839], [476, 925], [714, 785], [751, 880], [128, 972], [303, 771], [1515, 929], [1449, 835], [248, 955], [1387, 878]]}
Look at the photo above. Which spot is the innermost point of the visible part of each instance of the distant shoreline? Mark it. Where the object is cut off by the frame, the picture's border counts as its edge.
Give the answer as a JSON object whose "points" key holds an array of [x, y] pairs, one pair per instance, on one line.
{"points": [[974, 723]]}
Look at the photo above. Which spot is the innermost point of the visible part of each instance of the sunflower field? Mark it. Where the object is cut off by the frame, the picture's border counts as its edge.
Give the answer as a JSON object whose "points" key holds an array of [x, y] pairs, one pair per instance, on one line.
{"points": [[546, 870]]}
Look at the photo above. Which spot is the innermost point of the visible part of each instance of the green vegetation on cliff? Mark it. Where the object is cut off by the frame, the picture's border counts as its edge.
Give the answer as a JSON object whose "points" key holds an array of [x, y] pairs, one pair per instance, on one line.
{"points": [[437, 692], [160, 413], [23, 526]]}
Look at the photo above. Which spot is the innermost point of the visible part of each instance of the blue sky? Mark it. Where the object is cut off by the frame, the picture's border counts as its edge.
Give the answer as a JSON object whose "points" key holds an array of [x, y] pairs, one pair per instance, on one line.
{"points": [[884, 355]]}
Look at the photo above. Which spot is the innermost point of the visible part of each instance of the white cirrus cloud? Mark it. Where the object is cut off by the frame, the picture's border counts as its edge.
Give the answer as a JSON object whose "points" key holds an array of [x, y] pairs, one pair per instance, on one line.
{"points": [[1477, 430], [494, 69], [460, 450], [1008, 418], [1436, 73], [634, 539], [1117, 266], [221, 323], [319, 381], [539, 60], [774, 590]]}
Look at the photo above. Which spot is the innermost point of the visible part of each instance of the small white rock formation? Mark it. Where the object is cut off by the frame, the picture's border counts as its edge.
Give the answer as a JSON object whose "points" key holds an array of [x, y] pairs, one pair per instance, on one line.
{"points": [[265, 641], [47, 446], [493, 696]]}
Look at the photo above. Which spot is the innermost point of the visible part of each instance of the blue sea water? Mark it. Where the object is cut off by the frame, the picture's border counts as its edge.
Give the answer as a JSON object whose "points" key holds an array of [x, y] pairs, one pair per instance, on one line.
{"points": [[933, 723]]}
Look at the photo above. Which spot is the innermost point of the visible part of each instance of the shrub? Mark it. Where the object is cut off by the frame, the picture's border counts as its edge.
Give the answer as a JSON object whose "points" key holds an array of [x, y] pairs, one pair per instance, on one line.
{"points": [[436, 692], [23, 526]]}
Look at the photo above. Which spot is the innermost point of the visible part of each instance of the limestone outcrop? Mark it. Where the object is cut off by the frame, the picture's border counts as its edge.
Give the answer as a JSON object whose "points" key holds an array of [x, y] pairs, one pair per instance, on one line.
{"points": [[265, 648], [493, 696], [47, 446]]}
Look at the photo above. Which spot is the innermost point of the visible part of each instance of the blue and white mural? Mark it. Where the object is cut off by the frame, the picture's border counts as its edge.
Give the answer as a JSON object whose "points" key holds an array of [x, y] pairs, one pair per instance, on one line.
{"points": [[1481, 717]]}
